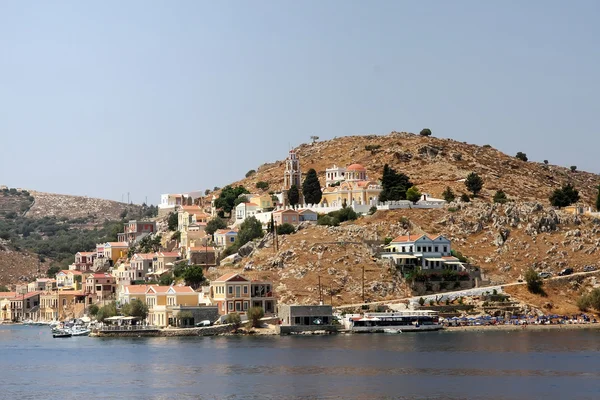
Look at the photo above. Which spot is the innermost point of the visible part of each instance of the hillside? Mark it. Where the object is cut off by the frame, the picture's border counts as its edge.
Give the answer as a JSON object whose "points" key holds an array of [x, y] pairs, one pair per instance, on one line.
{"points": [[432, 164]]}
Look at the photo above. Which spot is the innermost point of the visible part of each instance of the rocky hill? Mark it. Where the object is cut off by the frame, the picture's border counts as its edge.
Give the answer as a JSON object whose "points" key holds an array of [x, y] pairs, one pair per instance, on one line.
{"points": [[432, 164]]}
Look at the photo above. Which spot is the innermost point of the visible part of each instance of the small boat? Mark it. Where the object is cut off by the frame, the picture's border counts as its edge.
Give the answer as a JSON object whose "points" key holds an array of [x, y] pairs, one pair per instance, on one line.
{"points": [[392, 331], [79, 331], [61, 334]]}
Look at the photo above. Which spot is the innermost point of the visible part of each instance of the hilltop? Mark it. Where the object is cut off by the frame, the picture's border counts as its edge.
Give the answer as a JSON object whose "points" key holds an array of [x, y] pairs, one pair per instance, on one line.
{"points": [[433, 164]]}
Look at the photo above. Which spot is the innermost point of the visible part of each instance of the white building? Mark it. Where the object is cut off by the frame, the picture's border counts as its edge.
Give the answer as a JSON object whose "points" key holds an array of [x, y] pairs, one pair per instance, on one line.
{"points": [[243, 211], [422, 252], [334, 174], [225, 237]]}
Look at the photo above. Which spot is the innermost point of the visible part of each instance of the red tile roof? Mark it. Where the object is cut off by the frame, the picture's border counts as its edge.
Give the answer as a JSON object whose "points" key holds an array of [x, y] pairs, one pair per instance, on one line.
{"points": [[169, 254], [136, 289], [225, 231], [117, 244], [7, 295], [226, 277], [202, 248], [144, 256]]}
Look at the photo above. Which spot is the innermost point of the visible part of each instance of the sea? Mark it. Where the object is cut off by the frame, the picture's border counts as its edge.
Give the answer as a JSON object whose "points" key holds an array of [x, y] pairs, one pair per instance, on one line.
{"points": [[426, 365]]}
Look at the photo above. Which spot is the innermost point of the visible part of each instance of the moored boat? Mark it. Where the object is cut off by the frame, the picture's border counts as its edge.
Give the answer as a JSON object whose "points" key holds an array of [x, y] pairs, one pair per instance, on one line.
{"points": [[396, 322], [61, 334]]}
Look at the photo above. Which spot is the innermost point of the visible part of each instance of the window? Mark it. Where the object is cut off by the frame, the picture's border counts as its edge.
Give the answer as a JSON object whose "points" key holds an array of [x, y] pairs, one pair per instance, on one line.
{"points": [[237, 291], [418, 248], [297, 320], [230, 289], [403, 249], [429, 249], [445, 249], [436, 249], [245, 289], [238, 306], [232, 239], [230, 306], [245, 305]]}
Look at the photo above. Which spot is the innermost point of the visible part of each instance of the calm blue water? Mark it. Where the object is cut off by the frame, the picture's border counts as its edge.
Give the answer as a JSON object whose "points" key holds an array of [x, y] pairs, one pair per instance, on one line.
{"points": [[436, 365]]}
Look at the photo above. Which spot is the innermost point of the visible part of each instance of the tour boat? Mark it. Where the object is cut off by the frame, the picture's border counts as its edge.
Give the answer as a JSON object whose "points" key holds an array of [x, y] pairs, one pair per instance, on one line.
{"points": [[79, 331], [61, 334], [396, 322]]}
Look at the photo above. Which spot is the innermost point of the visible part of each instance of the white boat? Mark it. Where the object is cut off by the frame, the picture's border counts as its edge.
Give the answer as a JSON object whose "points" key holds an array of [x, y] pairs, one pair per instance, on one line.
{"points": [[396, 322], [79, 331]]}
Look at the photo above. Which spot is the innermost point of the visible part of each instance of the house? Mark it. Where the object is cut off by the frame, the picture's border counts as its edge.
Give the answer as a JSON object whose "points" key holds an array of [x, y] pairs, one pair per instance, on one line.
{"points": [[84, 261], [163, 258], [141, 263], [63, 304], [263, 201], [5, 309], [191, 218], [100, 286], [135, 230], [67, 279], [169, 202], [235, 293], [224, 237], [349, 185], [245, 210], [298, 318], [112, 251], [41, 284], [286, 217], [422, 252], [127, 293], [202, 255], [193, 238], [19, 307], [308, 215], [162, 300], [125, 274]]}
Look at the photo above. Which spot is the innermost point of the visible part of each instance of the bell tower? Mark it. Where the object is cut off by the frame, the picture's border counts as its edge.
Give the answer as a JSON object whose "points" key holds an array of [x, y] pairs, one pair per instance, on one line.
{"points": [[292, 175]]}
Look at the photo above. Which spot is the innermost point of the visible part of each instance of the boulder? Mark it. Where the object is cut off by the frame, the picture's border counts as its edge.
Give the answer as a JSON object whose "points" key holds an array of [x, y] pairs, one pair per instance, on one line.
{"points": [[246, 249]]}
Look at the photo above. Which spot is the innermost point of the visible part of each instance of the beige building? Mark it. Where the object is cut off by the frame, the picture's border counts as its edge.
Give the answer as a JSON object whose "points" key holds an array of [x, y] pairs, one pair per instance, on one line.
{"points": [[354, 187], [235, 293]]}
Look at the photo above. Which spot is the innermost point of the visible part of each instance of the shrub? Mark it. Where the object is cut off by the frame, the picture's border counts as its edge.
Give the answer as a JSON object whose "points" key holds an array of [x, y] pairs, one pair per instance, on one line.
{"points": [[166, 279], [285, 229], [173, 221], [573, 168], [448, 195], [487, 146], [413, 194], [254, 316], [521, 156], [465, 198], [372, 148], [546, 162], [425, 132], [250, 173], [583, 302], [234, 319], [387, 240], [500, 197], [262, 185], [421, 301], [327, 220], [372, 210], [93, 310], [534, 282], [215, 224], [452, 209], [564, 196], [474, 183]]}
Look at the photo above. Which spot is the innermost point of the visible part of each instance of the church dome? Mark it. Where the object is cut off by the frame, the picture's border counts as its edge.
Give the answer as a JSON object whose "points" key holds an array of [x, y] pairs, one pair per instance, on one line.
{"points": [[355, 167]]}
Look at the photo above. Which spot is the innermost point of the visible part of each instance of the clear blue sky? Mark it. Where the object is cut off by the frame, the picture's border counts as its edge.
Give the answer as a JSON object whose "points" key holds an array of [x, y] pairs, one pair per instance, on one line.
{"points": [[147, 97]]}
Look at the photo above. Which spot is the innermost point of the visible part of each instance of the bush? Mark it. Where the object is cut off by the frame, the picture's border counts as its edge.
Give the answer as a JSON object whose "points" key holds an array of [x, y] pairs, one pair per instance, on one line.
{"points": [[372, 210], [452, 209], [448, 195], [166, 279], [487, 146], [465, 198], [564, 196], [215, 224], [521, 156], [52, 271], [173, 221], [254, 316], [93, 310], [372, 148], [327, 220], [413, 194], [573, 168], [421, 301], [500, 197], [425, 132], [250, 173], [474, 183], [262, 185], [534, 282], [285, 229], [546, 162], [234, 319]]}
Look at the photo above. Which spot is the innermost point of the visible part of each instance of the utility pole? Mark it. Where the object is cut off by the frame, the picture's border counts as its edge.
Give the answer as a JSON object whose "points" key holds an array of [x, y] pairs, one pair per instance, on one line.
{"points": [[320, 297], [127, 197], [363, 284], [330, 296]]}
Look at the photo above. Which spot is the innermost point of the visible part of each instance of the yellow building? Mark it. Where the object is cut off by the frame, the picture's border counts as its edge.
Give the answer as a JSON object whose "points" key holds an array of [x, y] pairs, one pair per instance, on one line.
{"points": [[162, 299], [263, 201], [5, 310], [191, 218], [353, 186], [115, 250]]}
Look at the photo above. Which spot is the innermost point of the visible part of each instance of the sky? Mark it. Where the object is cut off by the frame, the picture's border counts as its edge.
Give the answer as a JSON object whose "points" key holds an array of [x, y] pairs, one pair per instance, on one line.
{"points": [[107, 98]]}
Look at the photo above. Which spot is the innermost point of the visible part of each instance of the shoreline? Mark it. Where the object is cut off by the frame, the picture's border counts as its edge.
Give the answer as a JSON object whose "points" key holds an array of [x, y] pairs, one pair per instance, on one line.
{"points": [[529, 327]]}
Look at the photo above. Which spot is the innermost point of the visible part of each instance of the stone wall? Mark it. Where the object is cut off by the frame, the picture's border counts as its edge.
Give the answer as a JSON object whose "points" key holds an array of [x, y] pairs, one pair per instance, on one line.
{"points": [[300, 329]]}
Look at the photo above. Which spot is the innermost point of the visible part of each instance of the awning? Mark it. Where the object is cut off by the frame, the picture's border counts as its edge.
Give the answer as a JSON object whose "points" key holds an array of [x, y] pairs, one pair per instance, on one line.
{"points": [[453, 262], [435, 259], [403, 256]]}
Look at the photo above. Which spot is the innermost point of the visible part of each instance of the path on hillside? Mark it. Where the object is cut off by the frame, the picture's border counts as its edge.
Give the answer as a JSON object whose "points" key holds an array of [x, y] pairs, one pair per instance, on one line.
{"points": [[462, 293]]}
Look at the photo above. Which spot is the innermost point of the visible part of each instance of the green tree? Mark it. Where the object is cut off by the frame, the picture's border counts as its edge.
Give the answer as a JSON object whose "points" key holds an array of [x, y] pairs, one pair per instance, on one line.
{"points": [[4, 289], [262, 185], [573, 168], [293, 196], [52, 271], [285, 229], [465, 198], [474, 183], [500, 197], [250, 173], [448, 195], [545, 162], [535, 284], [311, 188], [234, 319], [194, 276], [521, 156], [173, 221], [166, 279], [107, 311], [564, 196], [239, 200], [254, 316], [394, 185], [136, 308], [425, 132], [214, 224], [93, 310], [227, 198], [249, 230], [413, 194]]}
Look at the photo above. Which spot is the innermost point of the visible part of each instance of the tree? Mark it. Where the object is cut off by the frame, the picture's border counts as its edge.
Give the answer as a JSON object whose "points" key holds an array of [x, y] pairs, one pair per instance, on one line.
{"points": [[234, 319], [521, 156], [546, 162], [262, 185], [394, 185], [107, 311], [500, 197], [206, 192], [293, 195], [465, 198], [250, 173], [598, 199], [413, 194], [254, 316], [573, 168], [564, 196], [214, 224], [52, 271], [448, 195], [135, 308], [173, 221], [285, 229], [194, 276], [425, 132], [4, 289], [93, 310], [227, 197], [474, 183], [240, 200], [311, 188], [166, 279], [314, 138], [534, 282], [249, 230]]}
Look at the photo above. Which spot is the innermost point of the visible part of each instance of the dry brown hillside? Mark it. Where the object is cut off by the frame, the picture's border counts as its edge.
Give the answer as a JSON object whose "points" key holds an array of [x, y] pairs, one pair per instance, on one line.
{"points": [[72, 207], [433, 164]]}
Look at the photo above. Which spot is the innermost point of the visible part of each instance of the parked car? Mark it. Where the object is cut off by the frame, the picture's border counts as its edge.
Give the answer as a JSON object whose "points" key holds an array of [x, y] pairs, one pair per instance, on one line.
{"points": [[204, 323], [545, 275], [589, 268], [566, 271]]}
